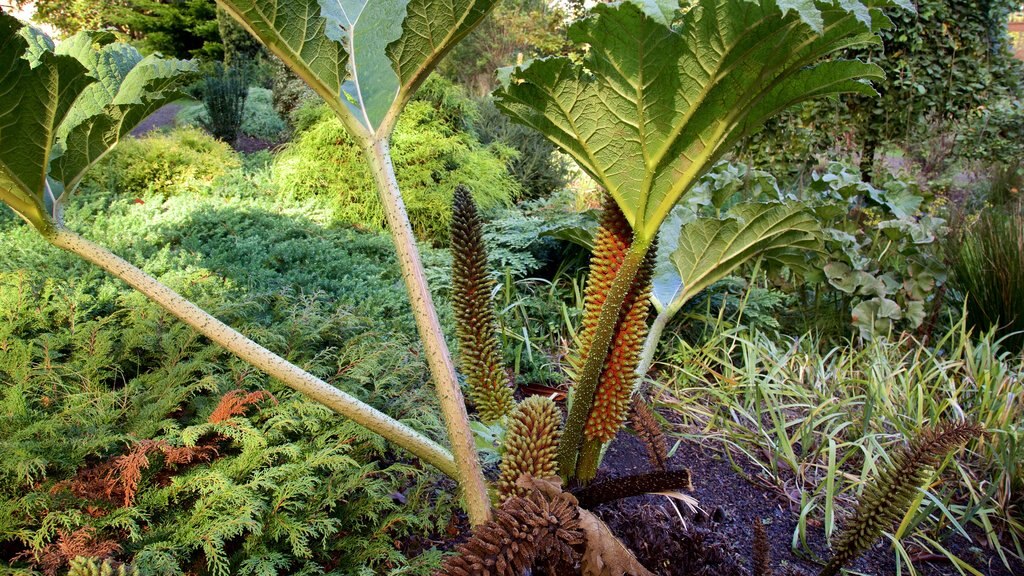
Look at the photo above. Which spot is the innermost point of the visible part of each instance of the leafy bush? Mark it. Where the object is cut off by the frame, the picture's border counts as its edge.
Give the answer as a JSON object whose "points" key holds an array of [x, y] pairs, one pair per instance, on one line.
{"points": [[289, 91], [171, 163], [988, 270], [536, 166], [224, 94], [430, 156]]}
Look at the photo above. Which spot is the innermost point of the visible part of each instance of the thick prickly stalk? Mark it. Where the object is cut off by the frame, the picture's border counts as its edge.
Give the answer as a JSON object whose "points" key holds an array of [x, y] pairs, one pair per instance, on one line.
{"points": [[611, 337], [531, 444], [476, 325], [618, 376]]}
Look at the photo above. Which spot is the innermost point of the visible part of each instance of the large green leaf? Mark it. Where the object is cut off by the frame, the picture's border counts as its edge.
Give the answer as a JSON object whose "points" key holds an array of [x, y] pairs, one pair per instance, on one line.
{"points": [[366, 57], [128, 88], [652, 107], [37, 90], [706, 250], [62, 108]]}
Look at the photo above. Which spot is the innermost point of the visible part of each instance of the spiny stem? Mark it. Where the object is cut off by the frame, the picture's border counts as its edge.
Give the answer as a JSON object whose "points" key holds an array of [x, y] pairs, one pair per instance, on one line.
{"points": [[439, 359], [241, 346], [590, 372]]}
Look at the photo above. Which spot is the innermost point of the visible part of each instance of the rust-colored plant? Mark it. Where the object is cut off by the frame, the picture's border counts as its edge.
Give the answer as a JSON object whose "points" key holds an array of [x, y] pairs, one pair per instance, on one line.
{"points": [[541, 527]]}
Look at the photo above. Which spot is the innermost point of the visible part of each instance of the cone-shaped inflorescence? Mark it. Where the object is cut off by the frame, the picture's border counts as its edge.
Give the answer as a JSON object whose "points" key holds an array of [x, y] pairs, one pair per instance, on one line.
{"points": [[531, 444], [643, 422], [475, 322], [762, 550], [611, 402], [890, 494], [542, 527]]}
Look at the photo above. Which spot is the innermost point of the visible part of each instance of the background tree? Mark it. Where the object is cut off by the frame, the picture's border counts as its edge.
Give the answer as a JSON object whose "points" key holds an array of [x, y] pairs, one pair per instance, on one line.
{"points": [[941, 63], [528, 27], [179, 28]]}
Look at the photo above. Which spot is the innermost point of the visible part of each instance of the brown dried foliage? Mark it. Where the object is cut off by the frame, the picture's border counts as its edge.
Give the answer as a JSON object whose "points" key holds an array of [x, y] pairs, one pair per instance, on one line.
{"points": [[541, 527], [643, 422], [70, 545], [117, 480], [236, 402]]}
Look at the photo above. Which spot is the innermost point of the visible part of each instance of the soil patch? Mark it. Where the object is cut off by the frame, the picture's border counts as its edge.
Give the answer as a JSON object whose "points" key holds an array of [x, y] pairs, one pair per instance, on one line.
{"points": [[716, 536]]}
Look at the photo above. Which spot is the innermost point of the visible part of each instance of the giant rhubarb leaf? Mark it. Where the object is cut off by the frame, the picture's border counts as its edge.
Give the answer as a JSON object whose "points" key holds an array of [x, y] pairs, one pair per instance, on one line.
{"points": [[64, 107], [708, 249], [366, 58], [654, 104]]}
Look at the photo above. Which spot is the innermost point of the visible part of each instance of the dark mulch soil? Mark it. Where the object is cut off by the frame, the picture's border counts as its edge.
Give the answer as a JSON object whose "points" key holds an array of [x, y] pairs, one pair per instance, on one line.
{"points": [[718, 537]]}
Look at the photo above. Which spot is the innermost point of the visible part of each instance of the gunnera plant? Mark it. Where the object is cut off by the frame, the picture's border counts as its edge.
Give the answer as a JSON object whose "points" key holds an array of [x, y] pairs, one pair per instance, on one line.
{"points": [[476, 324], [988, 269], [531, 444], [888, 496]]}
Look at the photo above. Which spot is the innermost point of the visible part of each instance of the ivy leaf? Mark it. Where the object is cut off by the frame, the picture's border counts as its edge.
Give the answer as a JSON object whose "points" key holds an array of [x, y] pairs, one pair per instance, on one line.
{"points": [[709, 249], [652, 107], [38, 90], [367, 58]]}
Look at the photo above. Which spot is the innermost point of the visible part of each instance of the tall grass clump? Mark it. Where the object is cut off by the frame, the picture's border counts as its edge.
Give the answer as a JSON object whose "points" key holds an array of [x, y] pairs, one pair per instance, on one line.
{"points": [[224, 90], [820, 422], [431, 158], [988, 269]]}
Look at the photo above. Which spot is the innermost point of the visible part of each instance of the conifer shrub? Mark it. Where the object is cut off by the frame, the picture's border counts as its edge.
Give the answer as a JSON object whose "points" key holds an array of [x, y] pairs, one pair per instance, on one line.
{"points": [[171, 163], [127, 438], [431, 157], [224, 91]]}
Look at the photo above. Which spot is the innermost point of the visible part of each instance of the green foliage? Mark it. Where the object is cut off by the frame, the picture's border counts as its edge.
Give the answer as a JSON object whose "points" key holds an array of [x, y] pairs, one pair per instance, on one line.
{"points": [[704, 245], [169, 164], [224, 92], [988, 270], [259, 118], [733, 83], [240, 48], [536, 166], [820, 420], [88, 567], [882, 249], [289, 92], [430, 156], [515, 29], [182, 29], [66, 107], [292, 487]]}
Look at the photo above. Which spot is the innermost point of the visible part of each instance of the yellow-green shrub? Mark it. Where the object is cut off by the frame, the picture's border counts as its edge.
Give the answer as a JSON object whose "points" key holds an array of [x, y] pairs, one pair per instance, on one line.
{"points": [[168, 163], [430, 156]]}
